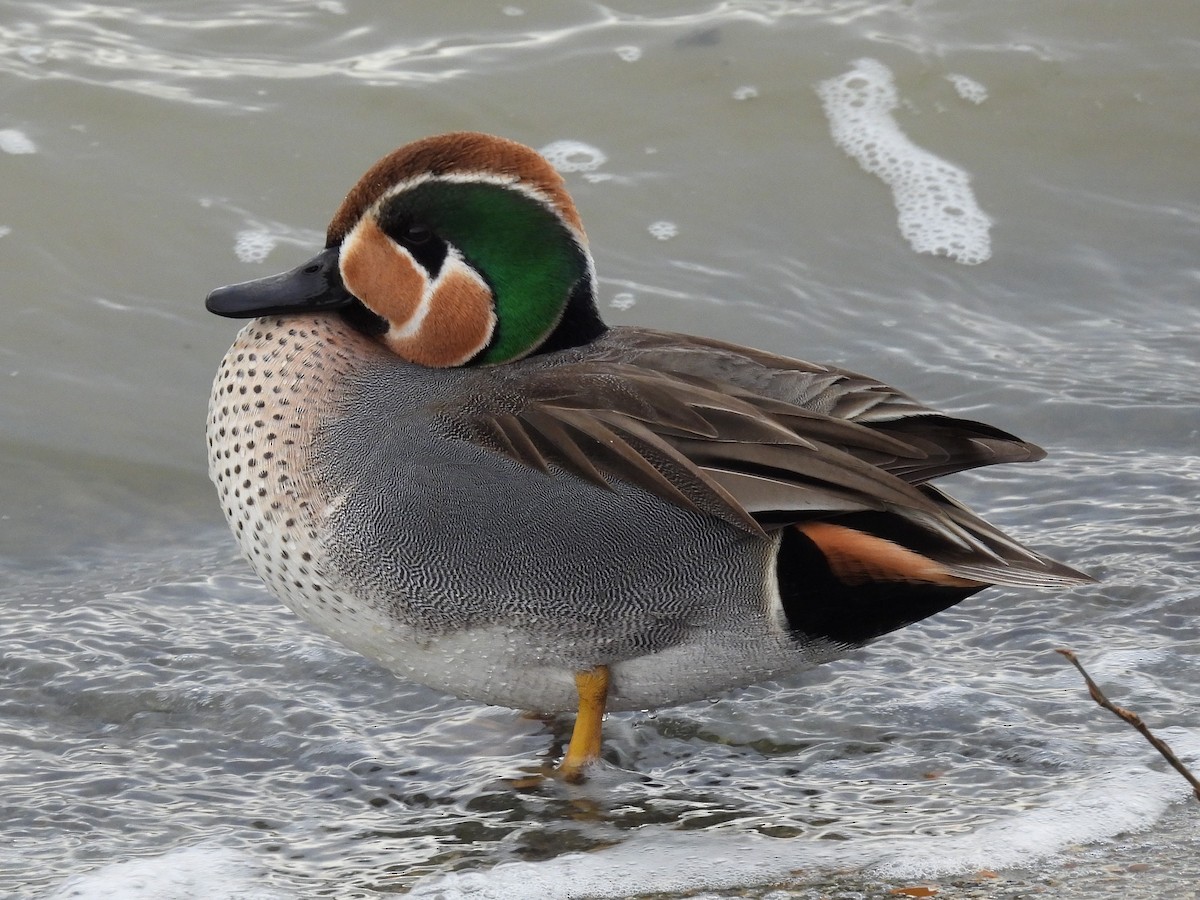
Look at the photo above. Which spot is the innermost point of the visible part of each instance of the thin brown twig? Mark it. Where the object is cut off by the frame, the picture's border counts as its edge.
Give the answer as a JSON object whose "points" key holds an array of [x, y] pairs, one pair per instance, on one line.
{"points": [[1133, 719]]}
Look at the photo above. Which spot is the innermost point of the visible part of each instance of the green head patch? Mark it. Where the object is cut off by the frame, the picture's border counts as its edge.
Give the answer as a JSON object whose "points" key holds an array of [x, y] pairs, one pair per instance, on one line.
{"points": [[530, 259]]}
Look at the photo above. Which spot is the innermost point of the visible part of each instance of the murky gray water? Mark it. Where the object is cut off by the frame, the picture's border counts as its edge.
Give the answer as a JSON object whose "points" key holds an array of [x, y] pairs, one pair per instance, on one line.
{"points": [[163, 719]]}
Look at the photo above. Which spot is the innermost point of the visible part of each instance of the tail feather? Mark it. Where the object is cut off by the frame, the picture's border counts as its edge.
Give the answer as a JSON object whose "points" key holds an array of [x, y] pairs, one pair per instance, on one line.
{"points": [[852, 577]]}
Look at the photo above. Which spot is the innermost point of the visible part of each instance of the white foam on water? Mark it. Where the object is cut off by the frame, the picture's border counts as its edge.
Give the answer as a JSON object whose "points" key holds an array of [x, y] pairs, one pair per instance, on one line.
{"points": [[968, 88], [1126, 798], [192, 873], [648, 863], [16, 142], [664, 231], [937, 209], [1114, 803], [254, 245], [573, 156], [33, 53]]}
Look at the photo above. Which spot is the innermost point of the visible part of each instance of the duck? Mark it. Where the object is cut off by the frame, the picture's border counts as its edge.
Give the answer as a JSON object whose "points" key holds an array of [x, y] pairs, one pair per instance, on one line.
{"points": [[429, 445]]}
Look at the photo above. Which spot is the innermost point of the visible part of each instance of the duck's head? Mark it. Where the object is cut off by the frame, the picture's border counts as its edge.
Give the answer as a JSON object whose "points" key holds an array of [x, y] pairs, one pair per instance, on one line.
{"points": [[457, 249]]}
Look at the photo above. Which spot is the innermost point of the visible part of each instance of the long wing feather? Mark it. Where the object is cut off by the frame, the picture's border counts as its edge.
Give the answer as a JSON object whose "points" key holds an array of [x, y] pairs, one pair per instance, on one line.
{"points": [[761, 442]]}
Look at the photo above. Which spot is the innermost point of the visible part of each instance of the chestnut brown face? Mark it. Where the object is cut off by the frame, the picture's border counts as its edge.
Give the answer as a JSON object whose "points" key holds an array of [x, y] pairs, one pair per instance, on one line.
{"points": [[459, 249], [441, 318]]}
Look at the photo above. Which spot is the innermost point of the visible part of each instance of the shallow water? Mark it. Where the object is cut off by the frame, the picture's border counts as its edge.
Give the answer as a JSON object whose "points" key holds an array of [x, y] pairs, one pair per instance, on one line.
{"points": [[165, 721]]}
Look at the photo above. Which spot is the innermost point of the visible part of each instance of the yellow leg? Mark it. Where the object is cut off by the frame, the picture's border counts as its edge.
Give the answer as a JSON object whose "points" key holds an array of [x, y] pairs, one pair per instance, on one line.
{"points": [[584, 748]]}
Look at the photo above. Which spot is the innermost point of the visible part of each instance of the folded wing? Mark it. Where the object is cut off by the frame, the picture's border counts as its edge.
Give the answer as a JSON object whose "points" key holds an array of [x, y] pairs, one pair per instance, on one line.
{"points": [[764, 442]]}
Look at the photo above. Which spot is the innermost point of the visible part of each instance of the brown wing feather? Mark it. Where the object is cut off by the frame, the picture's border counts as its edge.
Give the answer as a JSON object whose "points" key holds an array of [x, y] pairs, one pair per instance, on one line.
{"points": [[761, 442], [946, 444]]}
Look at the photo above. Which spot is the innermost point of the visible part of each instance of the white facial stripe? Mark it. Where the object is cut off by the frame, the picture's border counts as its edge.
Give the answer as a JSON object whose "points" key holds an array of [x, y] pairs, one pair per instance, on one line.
{"points": [[453, 262], [511, 182]]}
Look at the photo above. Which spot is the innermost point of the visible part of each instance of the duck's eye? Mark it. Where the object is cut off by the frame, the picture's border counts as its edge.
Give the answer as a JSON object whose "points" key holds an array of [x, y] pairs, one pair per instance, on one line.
{"points": [[426, 247], [416, 235]]}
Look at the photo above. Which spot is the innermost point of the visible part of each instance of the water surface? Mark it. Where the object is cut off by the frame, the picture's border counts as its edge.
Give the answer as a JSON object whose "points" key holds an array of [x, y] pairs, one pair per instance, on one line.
{"points": [[164, 719]]}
